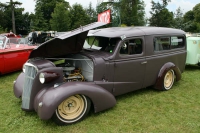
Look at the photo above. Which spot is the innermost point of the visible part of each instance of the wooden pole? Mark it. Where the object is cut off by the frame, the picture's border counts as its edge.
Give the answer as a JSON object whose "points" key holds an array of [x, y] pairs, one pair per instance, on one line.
{"points": [[13, 16]]}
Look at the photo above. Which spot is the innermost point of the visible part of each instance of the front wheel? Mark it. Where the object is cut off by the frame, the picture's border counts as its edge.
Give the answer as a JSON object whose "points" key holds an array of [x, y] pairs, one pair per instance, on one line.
{"points": [[72, 109], [168, 80]]}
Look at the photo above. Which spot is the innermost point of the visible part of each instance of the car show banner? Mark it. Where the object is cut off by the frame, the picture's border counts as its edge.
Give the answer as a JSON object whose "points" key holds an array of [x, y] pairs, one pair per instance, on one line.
{"points": [[104, 16]]}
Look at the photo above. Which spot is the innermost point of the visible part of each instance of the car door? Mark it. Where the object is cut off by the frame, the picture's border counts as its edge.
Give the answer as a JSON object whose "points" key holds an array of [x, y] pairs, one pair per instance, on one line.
{"points": [[129, 70]]}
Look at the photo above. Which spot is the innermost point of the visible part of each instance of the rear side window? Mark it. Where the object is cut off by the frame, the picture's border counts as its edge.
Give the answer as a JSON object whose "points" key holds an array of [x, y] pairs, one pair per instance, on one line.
{"points": [[168, 43]]}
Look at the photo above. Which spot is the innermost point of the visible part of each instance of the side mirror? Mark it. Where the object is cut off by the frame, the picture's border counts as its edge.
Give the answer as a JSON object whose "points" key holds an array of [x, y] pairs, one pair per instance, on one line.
{"points": [[124, 46]]}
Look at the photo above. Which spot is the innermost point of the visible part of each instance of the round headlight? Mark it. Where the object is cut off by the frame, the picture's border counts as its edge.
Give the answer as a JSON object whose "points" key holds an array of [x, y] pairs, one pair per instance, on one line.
{"points": [[42, 78], [46, 77]]}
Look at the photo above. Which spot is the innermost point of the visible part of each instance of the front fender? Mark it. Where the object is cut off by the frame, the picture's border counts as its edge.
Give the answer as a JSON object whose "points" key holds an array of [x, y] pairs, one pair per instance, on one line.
{"points": [[52, 97], [18, 85], [166, 67]]}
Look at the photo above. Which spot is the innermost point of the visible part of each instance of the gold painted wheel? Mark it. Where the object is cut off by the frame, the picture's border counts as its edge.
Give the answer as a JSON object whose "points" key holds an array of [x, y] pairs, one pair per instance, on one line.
{"points": [[169, 79], [72, 109]]}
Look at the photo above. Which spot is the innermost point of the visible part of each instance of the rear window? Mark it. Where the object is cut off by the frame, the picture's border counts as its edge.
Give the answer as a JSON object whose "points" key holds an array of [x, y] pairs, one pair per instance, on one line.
{"points": [[168, 43]]}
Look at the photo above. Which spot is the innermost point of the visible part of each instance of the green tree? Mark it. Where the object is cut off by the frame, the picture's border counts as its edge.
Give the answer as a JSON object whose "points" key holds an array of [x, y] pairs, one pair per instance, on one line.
{"points": [[191, 20], [141, 14], [179, 20], [189, 24], [21, 19], [132, 12], [160, 15], [3, 22], [60, 18], [78, 16], [196, 11], [129, 12], [38, 22], [188, 16], [91, 12], [8, 12], [44, 8]]}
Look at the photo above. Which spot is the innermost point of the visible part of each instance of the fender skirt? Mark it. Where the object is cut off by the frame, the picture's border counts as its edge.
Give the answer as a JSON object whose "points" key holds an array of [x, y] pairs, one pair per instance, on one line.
{"points": [[50, 98], [165, 68]]}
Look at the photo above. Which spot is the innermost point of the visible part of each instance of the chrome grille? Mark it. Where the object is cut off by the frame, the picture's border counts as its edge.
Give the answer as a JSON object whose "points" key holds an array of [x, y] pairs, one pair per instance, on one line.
{"points": [[30, 73]]}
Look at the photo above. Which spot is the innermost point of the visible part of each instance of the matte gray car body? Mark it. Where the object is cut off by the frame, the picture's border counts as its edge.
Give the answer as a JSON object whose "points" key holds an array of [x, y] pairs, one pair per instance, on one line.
{"points": [[108, 74]]}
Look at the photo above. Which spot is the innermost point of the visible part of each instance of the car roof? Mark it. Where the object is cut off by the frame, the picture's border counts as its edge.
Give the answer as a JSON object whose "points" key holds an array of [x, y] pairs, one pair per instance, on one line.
{"points": [[114, 32]]}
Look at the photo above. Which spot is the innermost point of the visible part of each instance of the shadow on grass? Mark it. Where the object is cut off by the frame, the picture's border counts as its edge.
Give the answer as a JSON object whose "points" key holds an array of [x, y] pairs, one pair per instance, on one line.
{"points": [[139, 92], [136, 93], [192, 67]]}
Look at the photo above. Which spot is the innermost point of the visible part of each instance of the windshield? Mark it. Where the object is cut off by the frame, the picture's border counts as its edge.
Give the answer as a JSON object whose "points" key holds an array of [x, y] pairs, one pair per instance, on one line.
{"points": [[3, 40], [101, 43], [9, 43]]}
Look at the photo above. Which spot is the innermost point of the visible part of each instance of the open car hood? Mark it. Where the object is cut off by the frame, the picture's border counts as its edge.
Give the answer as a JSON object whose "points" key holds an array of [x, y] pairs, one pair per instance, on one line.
{"points": [[68, 43]]}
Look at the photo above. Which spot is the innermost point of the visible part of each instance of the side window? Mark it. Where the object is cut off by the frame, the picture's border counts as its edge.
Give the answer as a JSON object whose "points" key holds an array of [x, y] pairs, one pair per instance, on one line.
{"points": [[132, 46], [167, 43], [177, 42], [161, 43]]}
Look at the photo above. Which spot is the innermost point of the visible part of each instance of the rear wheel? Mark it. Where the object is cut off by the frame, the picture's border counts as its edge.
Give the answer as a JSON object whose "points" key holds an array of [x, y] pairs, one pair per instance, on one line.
{"points": [[72, 109], [168, 80]]}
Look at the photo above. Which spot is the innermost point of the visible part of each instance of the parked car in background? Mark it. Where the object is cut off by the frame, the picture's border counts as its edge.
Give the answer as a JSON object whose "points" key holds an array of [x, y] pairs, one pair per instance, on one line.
{"points": [[13, 54], [193, 50], [61, 80], [40, 38]]}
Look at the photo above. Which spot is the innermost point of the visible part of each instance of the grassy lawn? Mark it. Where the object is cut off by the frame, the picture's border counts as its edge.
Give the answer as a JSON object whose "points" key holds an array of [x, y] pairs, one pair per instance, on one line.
{"points": [[146, 110]]}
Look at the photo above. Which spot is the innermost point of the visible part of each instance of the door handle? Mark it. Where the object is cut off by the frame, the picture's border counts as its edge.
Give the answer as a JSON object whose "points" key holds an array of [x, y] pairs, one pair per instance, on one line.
{"points": [[145, 62]]}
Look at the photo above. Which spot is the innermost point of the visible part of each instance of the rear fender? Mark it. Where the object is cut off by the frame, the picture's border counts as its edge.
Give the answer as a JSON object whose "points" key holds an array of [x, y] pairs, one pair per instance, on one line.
{"points": [[165, 68], [50, 98]]}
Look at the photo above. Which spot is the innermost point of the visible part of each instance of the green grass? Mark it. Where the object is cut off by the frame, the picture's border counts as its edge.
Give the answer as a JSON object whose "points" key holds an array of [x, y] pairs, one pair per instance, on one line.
{"points": [[145, 111]]}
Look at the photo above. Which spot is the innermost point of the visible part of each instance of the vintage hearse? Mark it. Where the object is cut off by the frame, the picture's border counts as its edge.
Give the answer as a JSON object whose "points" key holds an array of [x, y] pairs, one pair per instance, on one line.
{"points": [[62, 80]]}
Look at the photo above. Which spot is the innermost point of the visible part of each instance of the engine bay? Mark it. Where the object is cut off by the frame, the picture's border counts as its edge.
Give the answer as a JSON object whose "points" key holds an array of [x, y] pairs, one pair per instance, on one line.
{"points": [[76, 68], [72, 74]]}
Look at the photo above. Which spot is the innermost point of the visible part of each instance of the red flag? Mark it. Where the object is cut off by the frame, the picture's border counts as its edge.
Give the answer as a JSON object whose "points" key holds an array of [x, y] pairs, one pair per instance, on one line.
{"points": [[104, 16]]}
